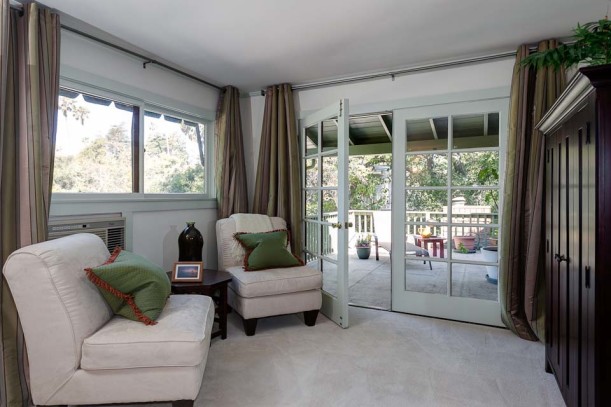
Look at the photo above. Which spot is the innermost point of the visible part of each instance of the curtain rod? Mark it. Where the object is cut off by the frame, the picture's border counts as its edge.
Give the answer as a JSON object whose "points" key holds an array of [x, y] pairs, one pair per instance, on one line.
{"points": [[146, 60], [398, 72]]}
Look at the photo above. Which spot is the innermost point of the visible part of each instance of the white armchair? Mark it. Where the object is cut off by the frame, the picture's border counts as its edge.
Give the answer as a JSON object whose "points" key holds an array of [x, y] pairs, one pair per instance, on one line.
{"points": [[265, 293], [79, 353]]}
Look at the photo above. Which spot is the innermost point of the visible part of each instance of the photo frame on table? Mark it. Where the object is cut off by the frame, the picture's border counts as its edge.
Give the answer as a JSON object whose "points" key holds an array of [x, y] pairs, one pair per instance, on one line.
{"points": [[188, 272]]}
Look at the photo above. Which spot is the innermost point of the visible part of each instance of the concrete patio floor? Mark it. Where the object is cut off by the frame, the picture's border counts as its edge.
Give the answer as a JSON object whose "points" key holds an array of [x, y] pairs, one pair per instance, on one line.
{"points": [[370, 280]]}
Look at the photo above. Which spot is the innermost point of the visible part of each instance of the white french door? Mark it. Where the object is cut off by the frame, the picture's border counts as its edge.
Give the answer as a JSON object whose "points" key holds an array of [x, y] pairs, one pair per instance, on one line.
{"points": [[447, 176], [324, 153]]}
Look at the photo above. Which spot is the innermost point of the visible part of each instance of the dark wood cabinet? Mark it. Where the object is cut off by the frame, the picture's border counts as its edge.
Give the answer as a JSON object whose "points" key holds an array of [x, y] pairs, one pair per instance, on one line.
{"points": [[577, 237]]}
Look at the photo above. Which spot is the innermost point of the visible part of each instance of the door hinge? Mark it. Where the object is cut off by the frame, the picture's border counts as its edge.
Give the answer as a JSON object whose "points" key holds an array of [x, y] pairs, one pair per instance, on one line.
{"points": [[588, 139], [341, 108], [587, 277]]}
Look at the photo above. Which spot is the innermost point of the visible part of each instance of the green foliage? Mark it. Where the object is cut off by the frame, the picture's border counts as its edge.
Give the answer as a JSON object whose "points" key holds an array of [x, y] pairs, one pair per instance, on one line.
{"points": [[592, 45], [462, 249], [368, 186], [363, 241]]}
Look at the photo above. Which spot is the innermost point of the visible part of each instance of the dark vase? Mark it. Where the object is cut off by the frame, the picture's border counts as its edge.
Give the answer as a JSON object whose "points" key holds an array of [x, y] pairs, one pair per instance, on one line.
{"points": [[190, 244]]}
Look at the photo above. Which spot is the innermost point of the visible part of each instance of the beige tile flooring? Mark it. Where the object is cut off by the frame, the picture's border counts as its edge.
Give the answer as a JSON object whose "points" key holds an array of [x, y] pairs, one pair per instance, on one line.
{"points": [[383, 359]]}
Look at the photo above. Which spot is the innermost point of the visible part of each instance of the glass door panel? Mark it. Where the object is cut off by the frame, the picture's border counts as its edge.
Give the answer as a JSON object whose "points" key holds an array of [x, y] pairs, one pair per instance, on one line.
{"points": [[448, 158], [325, 193]]}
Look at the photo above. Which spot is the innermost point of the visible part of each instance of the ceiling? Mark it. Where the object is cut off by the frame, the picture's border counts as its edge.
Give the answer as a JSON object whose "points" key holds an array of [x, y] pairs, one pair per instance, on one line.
{"points": [[252, 44]]}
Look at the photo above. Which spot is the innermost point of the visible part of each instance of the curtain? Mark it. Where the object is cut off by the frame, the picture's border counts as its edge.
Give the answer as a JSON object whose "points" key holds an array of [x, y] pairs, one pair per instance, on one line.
{"points": [[278, 188], [522, 281], [232, 196], [29, 90]]}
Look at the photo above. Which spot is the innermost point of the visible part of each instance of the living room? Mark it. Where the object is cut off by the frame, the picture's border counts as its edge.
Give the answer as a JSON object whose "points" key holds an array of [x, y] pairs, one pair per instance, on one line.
{"points": [[432, 346]]}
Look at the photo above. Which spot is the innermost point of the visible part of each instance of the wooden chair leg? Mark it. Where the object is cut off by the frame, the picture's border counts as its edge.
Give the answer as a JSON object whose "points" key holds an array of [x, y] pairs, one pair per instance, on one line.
{"points": [[250, 326], [182, 403], [310, 317]]}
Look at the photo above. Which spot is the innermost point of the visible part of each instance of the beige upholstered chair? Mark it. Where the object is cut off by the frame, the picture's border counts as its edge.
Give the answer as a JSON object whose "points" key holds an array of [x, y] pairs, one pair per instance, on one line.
{"points": [[265, 293], [79, 353]]}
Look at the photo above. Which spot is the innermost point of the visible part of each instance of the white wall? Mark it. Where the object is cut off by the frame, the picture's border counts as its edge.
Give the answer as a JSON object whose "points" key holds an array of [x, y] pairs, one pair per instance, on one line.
{"points": [[418, 89], [152, 226]]}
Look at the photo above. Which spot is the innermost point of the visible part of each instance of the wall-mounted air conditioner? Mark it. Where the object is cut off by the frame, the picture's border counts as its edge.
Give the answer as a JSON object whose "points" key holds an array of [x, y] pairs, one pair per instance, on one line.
{"points": [[110, 227]]}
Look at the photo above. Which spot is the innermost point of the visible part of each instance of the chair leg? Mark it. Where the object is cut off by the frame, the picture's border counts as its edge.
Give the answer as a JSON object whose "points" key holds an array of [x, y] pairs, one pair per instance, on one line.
{"points": [[310, 317], [182, 403], [250, 326], [375, 237]]}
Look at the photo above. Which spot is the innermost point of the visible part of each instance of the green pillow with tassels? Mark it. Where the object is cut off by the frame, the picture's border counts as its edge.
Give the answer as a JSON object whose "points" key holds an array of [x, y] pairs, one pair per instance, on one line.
{"points": [[132, 286]]}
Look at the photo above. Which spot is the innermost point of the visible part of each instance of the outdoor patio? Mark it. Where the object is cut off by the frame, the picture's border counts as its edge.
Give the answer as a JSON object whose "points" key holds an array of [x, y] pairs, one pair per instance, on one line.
{"points": [[370, 280]]}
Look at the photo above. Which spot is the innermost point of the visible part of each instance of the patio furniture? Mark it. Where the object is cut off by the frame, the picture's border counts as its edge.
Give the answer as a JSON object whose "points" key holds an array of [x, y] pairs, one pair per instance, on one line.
{"points": [[436, 241], [382, 238]]}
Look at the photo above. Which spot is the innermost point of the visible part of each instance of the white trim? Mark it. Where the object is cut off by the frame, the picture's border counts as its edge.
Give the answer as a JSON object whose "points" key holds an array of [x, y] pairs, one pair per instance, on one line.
{"points": [[444, 306]]}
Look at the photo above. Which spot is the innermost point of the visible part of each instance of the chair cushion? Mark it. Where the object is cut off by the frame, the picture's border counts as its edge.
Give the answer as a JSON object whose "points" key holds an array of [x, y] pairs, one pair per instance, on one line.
{"points": [[134, 287], [274, 281], [267, 250], [178, 339]]}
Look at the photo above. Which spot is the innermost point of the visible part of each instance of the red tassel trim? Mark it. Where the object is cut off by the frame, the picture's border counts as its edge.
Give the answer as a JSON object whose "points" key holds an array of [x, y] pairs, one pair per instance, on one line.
{"points": [[129, 299], [113, 256]]}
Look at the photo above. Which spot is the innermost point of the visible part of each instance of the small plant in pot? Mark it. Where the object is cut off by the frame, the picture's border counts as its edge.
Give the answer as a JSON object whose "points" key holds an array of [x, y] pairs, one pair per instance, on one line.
{"points": [[363, 246]]}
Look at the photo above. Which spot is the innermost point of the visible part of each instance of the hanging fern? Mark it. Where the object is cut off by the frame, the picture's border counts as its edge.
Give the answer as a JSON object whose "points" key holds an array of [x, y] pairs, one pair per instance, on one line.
{"points": [[592, 45]]}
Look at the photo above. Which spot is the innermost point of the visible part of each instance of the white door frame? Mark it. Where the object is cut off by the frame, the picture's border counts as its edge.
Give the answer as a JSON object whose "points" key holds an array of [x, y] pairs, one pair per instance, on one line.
{"points": [[335, 307], [437, 305]]}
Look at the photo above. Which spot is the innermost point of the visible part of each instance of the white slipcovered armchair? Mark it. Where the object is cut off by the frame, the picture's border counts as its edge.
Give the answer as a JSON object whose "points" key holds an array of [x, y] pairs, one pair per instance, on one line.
{"points": [[270, 292], [79, 353]]}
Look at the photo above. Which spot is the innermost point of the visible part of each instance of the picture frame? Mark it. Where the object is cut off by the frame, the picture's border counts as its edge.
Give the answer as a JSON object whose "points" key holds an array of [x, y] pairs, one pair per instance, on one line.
{"points": [[188, 272]]}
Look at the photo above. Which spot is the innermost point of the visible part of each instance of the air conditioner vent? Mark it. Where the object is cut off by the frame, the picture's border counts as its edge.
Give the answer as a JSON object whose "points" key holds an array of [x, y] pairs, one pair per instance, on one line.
{"points": [[109, 227]]}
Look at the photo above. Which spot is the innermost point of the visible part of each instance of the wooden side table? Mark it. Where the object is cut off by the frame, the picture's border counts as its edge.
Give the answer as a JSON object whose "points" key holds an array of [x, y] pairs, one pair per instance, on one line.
{"points": [[424, 243], [214, 285]]}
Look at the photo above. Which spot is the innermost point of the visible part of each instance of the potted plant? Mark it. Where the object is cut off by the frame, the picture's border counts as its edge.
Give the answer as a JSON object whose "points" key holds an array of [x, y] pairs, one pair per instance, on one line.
{"points": [[466, 242], [363, 246], [490, 254], [592, 45]]}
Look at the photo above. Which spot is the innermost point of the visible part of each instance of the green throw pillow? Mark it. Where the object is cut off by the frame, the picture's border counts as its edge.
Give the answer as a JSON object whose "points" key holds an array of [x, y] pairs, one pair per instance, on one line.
{"points": [[133, 286], [267, 250]]}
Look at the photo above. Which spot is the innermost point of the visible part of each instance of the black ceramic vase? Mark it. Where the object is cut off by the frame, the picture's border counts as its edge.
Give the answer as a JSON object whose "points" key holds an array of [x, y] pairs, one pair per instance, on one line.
{"points": [[190, 244]]}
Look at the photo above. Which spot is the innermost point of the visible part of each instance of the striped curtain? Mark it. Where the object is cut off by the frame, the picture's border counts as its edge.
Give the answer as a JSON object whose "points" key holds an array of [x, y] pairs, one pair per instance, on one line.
{"points": [[231, 196], [29, 90], [522, 277], [278, 185]]}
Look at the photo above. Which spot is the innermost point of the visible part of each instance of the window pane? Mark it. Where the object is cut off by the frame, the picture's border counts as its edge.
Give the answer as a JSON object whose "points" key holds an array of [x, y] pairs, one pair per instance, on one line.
{"points": [[475, 169], [427, 134], [426, 170], [94, 145], [476, 130], [476, 206], [174, 155]]}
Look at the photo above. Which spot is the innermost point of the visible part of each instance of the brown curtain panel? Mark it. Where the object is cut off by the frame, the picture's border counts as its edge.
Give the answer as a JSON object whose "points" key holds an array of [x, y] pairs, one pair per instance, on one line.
{"points": [[278, 190], [522, 280], [232, 196], [29, 90]]}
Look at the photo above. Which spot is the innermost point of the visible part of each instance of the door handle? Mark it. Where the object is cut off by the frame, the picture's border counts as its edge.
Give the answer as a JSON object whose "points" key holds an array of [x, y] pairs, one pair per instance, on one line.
{"points": [[349, 225], [336, 225], [560, 258]]}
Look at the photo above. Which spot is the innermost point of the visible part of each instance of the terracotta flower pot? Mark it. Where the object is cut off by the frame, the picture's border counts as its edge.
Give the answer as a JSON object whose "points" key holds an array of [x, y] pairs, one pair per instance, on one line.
{"points": [[468, 242]]}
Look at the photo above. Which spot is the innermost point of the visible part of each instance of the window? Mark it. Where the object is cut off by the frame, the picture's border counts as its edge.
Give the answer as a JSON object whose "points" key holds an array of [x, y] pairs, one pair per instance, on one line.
{"points": [[108, 145], [94, 146], [174, 154]]}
